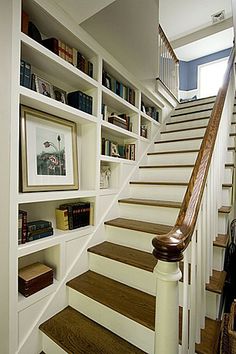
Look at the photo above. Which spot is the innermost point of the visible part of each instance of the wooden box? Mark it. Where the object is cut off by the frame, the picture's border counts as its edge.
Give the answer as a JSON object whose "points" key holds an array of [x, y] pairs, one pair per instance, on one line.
{"points": [[33, 278]]}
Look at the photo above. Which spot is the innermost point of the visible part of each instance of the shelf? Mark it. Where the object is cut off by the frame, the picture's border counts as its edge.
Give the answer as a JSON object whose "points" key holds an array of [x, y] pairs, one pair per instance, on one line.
{"points": [[24, 302], [117, 131], [117, 160], [55, 195], [150, 119], [57, 238], [50, 63], [116, 102], [146, 140], [46, 104], [108, 191]]}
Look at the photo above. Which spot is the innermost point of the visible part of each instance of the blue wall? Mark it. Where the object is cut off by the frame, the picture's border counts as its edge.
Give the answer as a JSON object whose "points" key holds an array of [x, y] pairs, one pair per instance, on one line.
{"points": [[188, 70]]}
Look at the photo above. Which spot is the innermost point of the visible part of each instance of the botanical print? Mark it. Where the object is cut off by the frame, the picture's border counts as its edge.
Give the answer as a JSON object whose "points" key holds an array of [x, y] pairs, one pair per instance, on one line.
{"points": [[50, 150]]}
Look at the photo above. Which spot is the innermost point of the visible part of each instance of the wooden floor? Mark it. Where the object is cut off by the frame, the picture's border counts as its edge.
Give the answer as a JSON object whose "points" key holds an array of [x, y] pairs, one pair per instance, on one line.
{"points": [[77, 334]]}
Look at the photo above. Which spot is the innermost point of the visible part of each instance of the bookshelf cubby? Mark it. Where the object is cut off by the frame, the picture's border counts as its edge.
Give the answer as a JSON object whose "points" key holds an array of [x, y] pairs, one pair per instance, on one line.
{"points": [[65, 251]]}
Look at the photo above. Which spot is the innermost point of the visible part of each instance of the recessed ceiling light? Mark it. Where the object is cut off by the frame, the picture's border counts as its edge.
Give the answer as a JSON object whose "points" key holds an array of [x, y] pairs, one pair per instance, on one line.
{"points": [[218, 17]]}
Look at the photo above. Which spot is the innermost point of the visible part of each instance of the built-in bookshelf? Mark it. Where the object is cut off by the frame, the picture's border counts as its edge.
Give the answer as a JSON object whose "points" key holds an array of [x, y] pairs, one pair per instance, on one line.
{"points": [[125, 129]]}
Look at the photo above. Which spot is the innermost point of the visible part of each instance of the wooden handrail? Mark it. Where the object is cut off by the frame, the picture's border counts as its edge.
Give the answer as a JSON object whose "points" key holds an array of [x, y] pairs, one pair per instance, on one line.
{"points": [[170, 247], [168, 45]]}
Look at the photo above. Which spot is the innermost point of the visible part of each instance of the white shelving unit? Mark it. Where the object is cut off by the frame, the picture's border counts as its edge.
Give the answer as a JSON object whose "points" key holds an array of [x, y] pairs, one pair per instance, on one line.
{"points": [[63, 249]]}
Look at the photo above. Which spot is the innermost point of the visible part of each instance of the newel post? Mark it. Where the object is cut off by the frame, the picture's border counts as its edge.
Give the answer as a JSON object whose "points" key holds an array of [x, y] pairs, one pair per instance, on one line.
{"points": [[167, 307]]}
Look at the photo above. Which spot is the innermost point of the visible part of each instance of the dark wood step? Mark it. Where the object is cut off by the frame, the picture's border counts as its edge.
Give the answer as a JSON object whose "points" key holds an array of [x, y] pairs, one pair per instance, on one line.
{"points": [[171, 152], [105, 291], [229, 165], [199, 100], [221, 241], [146, 261], [231, 148], [151, 202], [186, 120], [159, 183], [187, 113], [167, 166], [183, 129], [227, 185], [177, 140], [142, 226], [76, 333], [233, 123], [225, 209], [209, 337], [232, 134], [193, 105]]}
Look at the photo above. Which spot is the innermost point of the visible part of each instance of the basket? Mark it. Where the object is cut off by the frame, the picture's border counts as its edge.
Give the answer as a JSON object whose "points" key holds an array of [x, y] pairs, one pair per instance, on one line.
{"points": [[228, 332]]}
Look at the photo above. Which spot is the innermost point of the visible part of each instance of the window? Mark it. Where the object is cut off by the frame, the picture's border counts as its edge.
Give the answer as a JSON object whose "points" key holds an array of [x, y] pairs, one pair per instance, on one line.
{"points": [[210, 77]]}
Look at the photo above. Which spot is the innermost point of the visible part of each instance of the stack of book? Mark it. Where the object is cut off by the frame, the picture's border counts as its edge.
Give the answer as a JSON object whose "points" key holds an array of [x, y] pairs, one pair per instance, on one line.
{"points": [[33, 278], [119, 88], [150, 111], [121, 120], [25, 74], [34, 230], [80, 100], [72, 216], [84, 64], [143, 131]]}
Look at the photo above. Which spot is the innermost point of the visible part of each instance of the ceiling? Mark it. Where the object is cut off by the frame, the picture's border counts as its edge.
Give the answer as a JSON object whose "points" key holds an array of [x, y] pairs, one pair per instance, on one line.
{"points": [[127, 28]]}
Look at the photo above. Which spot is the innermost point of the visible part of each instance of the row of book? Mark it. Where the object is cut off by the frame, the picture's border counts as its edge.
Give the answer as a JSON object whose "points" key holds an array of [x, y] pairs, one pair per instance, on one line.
{"points": [[77, 99], [57, 46], [143, 130], [110, 148], [71, 216], [118, 87], [33, 230], [150, 111]]}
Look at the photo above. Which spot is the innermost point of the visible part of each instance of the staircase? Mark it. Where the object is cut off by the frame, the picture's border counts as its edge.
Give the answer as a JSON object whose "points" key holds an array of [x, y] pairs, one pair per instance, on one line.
{"points": [[112, 305]]}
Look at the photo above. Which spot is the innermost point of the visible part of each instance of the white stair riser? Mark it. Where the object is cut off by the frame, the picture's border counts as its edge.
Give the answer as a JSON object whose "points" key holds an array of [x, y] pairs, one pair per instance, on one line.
{"points": [[178, 145], [196, 103], [228, 175], [124, 327], [187, 124], [183, 134], [218, 258], [189, 116], [165, 192], [194, 109], [230, 157], [135, 277], [178, 158], [50, 347], [231, 141], [173, 174], [212, 302], [130, 238], [226, 196], [159, 215], [223, 223]]}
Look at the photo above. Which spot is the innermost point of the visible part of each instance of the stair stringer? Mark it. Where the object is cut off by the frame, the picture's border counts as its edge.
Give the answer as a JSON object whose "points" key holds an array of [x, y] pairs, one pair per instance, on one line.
{"points": [[59, 299]]}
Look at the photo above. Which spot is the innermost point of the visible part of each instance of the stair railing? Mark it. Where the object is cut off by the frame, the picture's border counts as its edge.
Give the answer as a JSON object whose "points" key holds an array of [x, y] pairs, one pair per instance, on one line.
{"points": [[196, 227], [168, 64]]}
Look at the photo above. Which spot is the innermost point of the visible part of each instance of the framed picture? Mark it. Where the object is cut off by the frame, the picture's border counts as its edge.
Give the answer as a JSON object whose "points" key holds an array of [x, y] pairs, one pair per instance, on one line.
{"points": [[59, 94], [48, 152], [114, 150], [42, 86]]}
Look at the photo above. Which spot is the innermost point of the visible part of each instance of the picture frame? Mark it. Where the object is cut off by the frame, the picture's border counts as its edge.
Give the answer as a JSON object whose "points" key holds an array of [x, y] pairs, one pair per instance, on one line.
{"points": [[48, 152], [42, 86], [59, 94], [114, 150]]}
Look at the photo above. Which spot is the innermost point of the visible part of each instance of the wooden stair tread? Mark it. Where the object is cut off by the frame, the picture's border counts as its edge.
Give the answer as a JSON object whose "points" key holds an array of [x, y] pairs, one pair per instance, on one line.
{"points": [[200, 99], [76, 333], [183, 129], [231, 148], [142, 226], [229, 165], [146, 261], [159, 183], [176, 140], [171, 152], [225, 209], [194, 112], [209, 337], [151, 202], [232, 134], [186, 120], [221, 241], [117, 297], [167, 166], [227, 185], [126, 255]]}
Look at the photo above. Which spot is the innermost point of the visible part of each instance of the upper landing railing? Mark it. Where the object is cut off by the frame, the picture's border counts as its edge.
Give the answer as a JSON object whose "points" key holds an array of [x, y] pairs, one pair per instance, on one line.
{"points": [[168, 64]]}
